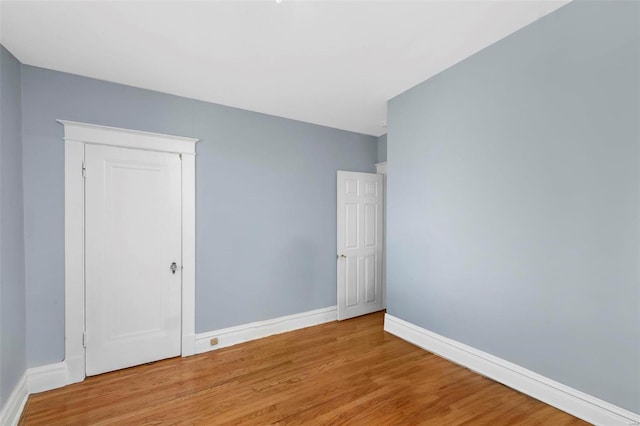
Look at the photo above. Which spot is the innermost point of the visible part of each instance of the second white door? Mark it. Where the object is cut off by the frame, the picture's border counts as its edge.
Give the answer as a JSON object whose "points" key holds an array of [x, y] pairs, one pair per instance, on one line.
{"points": [[133, 257], [360, 222]]}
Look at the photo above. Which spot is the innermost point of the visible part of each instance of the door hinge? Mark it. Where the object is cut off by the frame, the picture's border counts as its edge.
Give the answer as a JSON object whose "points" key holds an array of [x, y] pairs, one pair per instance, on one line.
{"points": [[84, 339], [84, 170]]}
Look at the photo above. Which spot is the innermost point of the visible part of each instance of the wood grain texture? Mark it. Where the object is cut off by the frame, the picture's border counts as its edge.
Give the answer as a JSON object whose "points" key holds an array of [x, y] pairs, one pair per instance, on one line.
{"points": [[349, 372]]}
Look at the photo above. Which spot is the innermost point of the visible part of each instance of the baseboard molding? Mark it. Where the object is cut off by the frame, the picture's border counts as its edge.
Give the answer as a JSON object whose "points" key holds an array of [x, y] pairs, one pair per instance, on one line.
{"points": [[47, 377], [565, 398], [257, 330], [34, 380], [12, 409]]}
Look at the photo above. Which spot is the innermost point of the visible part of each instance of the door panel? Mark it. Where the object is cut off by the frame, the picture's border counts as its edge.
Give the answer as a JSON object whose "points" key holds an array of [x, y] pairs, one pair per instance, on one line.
{"points": [[132, 236], [352, 277], [359, 244], [370, 278], [370, 229], [351, 224]]}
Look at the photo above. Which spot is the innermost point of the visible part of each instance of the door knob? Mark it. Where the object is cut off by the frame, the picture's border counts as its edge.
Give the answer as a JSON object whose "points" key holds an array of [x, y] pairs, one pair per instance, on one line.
{"points": [[174, 267], [342, 255]]}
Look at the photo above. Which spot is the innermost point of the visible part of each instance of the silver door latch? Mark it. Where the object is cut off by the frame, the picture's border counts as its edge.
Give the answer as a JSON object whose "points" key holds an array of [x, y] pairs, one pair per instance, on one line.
{"points": [[174, 267]]}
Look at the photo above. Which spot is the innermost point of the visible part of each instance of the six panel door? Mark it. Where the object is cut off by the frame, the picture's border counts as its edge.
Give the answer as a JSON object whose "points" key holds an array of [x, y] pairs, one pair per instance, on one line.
{"points": [[360, 202]]}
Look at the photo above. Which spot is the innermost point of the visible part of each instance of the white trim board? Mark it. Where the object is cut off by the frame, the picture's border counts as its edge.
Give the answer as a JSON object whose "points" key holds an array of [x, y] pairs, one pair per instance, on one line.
{"points": [[104, 135], [259, 329], [12, 409], [77, 135], [565, 398], [47, 377], [34, 380], [381, 169]]}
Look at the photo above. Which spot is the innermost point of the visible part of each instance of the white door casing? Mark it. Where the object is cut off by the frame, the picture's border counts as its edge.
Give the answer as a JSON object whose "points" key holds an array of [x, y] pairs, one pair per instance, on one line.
{"points": [[360, 219], [77, 136], [132, 257], [381, 169]]}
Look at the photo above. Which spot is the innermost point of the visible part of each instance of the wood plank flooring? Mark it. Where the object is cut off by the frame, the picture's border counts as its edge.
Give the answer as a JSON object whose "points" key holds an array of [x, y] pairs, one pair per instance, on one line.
{"points": [[349, 372]]}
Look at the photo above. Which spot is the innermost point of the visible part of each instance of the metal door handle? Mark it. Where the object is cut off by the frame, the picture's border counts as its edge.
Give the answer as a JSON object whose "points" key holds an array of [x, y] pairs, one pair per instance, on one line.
{"points": [[342, 255], [174, 267]]}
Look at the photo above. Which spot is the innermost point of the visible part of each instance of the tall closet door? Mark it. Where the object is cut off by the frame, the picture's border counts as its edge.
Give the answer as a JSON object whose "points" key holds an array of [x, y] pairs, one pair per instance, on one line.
{"points": [[360, 201], [132, 257]]}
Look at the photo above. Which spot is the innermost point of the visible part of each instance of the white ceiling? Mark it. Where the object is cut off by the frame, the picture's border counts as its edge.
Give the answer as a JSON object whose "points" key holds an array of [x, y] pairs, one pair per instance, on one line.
{"points": [[330, 63]]}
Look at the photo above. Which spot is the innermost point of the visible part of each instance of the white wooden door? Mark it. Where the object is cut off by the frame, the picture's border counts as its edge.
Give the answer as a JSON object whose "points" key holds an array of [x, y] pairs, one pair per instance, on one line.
{"points": [[132, 240], [360, 222]]}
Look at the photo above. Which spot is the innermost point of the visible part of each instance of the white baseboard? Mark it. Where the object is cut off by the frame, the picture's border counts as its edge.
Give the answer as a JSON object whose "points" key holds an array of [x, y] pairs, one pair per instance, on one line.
{"points": [[34, 380], [257, 330], [12, 409], [47, 377], [565, 398]]}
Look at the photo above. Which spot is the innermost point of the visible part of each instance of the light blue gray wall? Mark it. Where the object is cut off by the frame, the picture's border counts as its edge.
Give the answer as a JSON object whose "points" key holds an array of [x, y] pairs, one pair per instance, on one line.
{"points": [[382, 148], [12, 283], [513, 204], [266, 203]]}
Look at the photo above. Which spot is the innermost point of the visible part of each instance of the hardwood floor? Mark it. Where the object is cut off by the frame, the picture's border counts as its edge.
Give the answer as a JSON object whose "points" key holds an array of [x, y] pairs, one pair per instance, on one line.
{"points": [[349, 372]]}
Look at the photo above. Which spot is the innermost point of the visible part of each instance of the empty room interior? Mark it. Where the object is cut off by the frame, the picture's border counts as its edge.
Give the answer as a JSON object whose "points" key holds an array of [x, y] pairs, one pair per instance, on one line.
{"points": [[320, 212]]}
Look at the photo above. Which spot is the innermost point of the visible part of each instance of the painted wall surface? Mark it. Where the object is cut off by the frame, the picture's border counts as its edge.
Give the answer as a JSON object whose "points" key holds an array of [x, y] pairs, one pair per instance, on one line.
{"points": [[12, 282], [382, 148], [266, 202], [513, 206]]}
